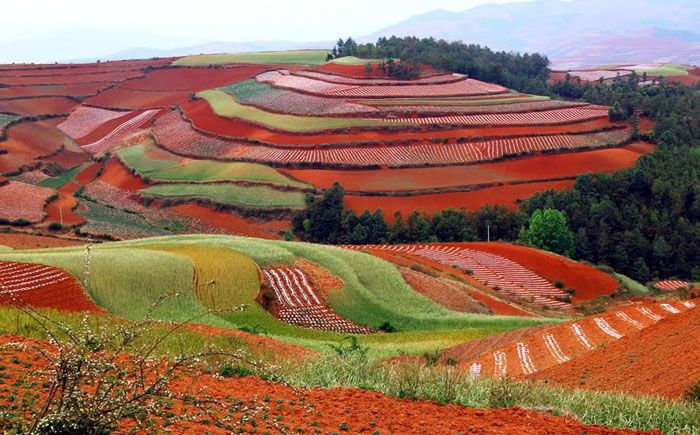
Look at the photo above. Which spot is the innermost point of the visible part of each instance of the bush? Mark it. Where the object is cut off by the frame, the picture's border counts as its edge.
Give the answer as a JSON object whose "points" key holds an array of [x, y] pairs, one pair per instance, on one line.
{"points": [[55, 226], [559, 284], [386, 327], [229, 371], [692, 394]]}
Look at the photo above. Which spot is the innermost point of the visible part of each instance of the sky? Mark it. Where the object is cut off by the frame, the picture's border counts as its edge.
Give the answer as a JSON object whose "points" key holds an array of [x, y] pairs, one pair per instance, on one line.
{"points": [[50, 30]]}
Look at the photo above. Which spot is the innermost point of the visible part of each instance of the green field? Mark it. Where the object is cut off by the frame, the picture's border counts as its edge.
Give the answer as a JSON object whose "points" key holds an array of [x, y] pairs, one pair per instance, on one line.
{"points": [[127, 277], [297, 57], [158, 164], [57, 182], [666, 70], [226, 105], [6, 119], [249, 197]]}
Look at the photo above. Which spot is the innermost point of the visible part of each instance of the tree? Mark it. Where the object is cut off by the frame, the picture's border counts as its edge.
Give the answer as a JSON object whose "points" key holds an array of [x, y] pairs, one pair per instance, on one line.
{"points": [[548, 230], [368, 69]]}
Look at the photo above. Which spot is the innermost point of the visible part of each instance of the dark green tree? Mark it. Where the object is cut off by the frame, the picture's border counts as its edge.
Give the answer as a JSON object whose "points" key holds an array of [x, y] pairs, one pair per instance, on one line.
{"points": [[548, 230]]}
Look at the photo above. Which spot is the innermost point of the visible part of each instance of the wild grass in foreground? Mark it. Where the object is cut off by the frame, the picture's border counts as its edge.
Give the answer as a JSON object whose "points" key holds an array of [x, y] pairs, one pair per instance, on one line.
{"points": [[349, 366]]}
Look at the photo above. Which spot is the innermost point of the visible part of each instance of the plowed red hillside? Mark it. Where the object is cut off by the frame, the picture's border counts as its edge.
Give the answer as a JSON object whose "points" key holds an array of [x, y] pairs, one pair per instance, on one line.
{"points": [[360, 410], [588, 281], [30, 241], [37, 285], [530, 168], [28, 141], [38, 106], [507, 195], [660, 360], [193, 79]]}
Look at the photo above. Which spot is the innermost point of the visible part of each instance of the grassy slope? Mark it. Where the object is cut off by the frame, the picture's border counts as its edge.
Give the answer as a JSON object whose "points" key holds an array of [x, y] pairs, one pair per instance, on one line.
{"points": [[159, 164], [666, 70], [6, 119], [128, 276], [301, 57], [225, 105], [352, 60], [252, 197], [57, 182]]}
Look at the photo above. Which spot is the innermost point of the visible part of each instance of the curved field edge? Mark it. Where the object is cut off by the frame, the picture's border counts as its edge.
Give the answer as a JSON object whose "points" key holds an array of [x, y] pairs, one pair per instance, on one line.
{"points": [[126, 277]]}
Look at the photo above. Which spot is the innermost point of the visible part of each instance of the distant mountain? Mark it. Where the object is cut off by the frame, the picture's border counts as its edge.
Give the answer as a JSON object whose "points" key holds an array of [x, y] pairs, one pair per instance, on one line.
{"points": [[571, 33]]}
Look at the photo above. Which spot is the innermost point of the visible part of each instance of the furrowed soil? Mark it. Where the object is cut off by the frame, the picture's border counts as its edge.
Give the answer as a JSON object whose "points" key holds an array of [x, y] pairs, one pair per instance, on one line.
{"points": [[529, 168], [588, 281], [31, 241], [333, 410], [660, 360], [507, 195]]}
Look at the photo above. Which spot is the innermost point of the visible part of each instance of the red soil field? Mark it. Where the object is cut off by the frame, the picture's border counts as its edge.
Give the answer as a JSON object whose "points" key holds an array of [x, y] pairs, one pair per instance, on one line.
{"points": [[116, 174], [363, 411], [507, 195], [31, 241], [496, 306], [38, 106], [68, 158], [688, 80], [450, 295], [193, 79], [359, 70], [106, 128], [660, 360], [123, 98], [231, 222], [21, 201], [529, 168], [74, 90], [203, 117], [28, 141], [588, 281], [42, 286], [61, 208], [69, 79], [88, 174]]}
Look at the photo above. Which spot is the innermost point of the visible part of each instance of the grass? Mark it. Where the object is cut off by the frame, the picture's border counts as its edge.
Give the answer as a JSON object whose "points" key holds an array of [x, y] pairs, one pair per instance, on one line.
{"points": [[249, 197], [298, 57], [447, 384], [633, 286], [128, 276], [6, 119], [58, 182], [451, 102], [158, 164], [666, 70], [225, 105], [105, 220]]}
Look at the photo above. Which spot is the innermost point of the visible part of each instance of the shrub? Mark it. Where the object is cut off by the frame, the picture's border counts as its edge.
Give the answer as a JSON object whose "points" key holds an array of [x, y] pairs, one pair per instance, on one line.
{"points": [[559, 284], [692, 394], [386, 327], [55, 226], [229, 371]]}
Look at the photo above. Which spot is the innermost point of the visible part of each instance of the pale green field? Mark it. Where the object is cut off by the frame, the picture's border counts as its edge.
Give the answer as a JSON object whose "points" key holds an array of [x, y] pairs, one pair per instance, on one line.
{"points": [[127, 277], [158, 164], [250, 197], [352, 60], [226, 105], [666, 70], [297, 57]]}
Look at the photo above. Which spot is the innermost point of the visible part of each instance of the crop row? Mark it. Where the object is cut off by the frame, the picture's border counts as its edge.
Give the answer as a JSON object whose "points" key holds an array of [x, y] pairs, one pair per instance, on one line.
{"points": [[555, 116], [477, 109], [121, 131], [20, 201], [83, 120], [332, 78], [671, 285], [176, 135], [300, 305], [284, 79]]}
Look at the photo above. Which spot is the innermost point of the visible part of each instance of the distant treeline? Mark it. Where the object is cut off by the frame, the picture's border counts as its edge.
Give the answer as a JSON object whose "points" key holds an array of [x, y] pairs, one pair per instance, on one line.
{"points": [[643, 221]]}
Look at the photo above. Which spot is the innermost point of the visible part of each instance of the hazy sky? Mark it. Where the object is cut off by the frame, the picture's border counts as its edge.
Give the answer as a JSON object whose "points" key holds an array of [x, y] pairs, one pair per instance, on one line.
{"points": [[47, 30]]}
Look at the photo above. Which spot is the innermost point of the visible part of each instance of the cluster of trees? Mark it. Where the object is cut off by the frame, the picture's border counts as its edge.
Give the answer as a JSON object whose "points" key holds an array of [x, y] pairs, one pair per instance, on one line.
{"points": [[525, 72]]}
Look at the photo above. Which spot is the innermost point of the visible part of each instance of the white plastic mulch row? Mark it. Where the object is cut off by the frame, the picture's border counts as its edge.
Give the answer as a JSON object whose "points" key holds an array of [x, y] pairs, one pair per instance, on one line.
{"points": [[500, 364], [671, 285], [605, 327], [554, 349], [24, 277], [120, 131], [83, 120], [301, 306], [525, 360], [554, 116], [629, 320]]}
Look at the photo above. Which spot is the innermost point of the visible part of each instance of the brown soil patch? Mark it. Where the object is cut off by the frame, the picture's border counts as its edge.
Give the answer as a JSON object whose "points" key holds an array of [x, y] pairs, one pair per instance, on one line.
{"points": [[61, 209], [324, 281], [231, 223], [451, 295], [31, 241]]}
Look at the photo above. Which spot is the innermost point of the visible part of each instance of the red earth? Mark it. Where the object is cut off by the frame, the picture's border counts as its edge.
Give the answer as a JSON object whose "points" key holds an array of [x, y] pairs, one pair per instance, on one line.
{"points": [[33, 241], [194, 79], [507, 195], [62, 291], [38, 106], [124, 98], [67, 79], [529, 168], [74, 90], [333, 409], [116, 174], [200, 113], [231, 222], [588, 281], [105, 128], [22, 201], [660, 360], [28, 141], [61, 209]]}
